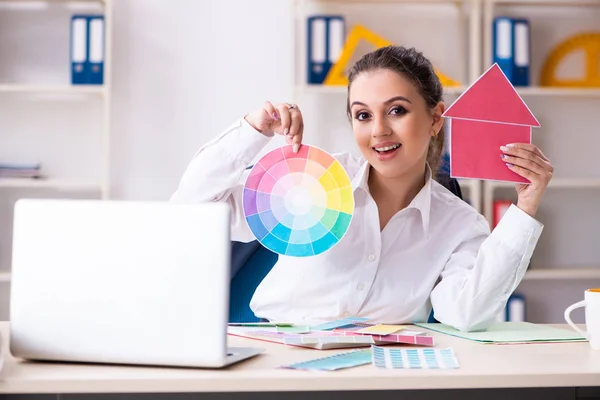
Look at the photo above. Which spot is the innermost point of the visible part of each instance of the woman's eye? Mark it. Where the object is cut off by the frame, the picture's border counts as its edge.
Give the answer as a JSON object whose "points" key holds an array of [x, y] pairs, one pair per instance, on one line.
{"points": [[361, 116], [398, 110]]}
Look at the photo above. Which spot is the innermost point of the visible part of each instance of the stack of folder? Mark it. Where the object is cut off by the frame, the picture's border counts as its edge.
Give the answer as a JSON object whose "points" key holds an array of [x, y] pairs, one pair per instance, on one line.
{"points": [[19, 170], [511, 333]]}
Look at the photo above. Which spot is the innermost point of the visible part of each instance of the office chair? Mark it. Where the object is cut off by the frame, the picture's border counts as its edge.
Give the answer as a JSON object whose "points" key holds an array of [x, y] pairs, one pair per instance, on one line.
{"points": [[251, 262]]}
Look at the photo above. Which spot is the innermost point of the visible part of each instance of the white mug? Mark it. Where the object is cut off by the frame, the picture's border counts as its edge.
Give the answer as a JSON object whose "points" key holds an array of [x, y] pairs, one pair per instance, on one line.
{"points": [[592, 317]]}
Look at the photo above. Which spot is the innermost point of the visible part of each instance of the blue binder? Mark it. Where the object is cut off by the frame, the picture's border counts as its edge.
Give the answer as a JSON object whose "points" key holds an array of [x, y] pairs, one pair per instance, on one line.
{"points": [[512, 48], [96, 49], [326, 37], [515, 308], [79, 50], [87, 49]]}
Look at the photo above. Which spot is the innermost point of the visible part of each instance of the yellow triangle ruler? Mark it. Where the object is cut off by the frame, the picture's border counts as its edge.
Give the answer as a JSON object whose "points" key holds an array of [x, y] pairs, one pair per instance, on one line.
{"points": [[336, 75]]}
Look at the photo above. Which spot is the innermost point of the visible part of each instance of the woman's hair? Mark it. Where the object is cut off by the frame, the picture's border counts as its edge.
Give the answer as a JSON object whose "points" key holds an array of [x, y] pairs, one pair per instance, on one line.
{"points": [[415, 67]]}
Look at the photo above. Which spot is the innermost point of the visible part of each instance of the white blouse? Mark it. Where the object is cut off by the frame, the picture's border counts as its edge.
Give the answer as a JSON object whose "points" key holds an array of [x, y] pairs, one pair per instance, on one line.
{"points": [[437, 252]]}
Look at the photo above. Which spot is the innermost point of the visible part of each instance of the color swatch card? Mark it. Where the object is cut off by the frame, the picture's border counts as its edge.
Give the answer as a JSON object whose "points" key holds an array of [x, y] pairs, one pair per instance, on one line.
{"points": [[321, 339], [339, 361], [350, 321], [405, 337], [298, 204], [386, 357], [380, 329]]}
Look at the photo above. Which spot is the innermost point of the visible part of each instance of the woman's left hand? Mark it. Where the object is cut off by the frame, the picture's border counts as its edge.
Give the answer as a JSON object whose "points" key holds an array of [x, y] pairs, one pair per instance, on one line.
{"points": [[528, 161]]}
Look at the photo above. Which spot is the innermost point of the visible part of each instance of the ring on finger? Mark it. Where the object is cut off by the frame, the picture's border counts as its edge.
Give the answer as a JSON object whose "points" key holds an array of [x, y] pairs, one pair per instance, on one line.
{"points": [[292, 106]]}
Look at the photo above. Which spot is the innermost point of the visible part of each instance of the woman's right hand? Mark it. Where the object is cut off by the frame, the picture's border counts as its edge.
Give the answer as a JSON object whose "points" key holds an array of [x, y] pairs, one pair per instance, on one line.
{"points": [[283, 119]]}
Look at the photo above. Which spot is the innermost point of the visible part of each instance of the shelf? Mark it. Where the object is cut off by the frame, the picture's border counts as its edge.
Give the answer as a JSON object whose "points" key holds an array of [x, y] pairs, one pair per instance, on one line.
{"points": [[560, 183], [562, 274], [325, 89], [568, 3], [558, 91], [321, 89], [524, 91], [56, 89], [50, 1], [49, 184], [5, 277], [383, 1]]}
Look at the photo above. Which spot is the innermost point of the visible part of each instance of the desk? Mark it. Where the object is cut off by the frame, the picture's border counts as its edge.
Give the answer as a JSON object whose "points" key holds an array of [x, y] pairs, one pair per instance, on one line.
{"points": [[557, 370]]}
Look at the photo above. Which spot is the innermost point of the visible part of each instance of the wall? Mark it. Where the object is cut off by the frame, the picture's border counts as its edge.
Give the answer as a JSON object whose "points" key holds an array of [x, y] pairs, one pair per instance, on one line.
{"points": [[185, 70]]}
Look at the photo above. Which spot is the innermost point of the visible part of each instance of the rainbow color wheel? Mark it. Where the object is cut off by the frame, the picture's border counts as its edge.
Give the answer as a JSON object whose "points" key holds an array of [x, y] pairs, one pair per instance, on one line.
{"points": [[298, 204]]}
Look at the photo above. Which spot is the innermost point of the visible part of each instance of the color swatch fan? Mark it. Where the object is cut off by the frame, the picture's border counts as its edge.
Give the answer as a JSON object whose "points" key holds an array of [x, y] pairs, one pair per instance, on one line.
{"points": [[298, 204]]}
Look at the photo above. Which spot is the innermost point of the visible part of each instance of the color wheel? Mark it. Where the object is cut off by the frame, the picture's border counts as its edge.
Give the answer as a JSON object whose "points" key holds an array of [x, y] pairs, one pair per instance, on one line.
{"points": [[298, 204]]}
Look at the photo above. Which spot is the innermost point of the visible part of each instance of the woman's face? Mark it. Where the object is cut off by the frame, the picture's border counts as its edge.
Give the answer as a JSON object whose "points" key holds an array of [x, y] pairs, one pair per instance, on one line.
{"points": [[392, 123]]}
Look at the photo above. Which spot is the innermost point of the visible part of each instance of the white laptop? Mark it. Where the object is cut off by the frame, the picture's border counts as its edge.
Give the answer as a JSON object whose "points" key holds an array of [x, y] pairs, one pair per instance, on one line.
{"points": [[122, 282]]}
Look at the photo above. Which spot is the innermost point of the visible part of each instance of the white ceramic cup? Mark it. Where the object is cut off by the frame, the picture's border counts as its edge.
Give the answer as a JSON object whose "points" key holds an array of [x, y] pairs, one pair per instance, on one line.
{"points": [[592, 317]]}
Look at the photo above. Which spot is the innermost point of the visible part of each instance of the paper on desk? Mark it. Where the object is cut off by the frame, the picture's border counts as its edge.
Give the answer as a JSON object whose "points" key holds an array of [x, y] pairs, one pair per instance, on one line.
{"points": [[510, 332], [325, 340], [338, 361], [355, 337], [270, 334], [262, 324], [385, 357]]}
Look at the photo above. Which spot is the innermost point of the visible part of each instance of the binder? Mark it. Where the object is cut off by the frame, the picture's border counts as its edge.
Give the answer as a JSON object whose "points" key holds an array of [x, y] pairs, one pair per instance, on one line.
{"points": [[500, 208], [522, 46], [512, 48], [515, 308], [96, 50], [326, 36], [79, 50]]}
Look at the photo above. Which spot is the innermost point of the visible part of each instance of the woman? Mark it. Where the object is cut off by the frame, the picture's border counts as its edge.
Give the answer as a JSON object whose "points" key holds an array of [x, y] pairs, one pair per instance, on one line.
{"points": [[412, 245]]}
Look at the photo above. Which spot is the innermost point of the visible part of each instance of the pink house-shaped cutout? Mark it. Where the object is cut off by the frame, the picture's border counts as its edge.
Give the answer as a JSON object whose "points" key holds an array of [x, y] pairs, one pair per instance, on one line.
{"points": [[489, 114]]}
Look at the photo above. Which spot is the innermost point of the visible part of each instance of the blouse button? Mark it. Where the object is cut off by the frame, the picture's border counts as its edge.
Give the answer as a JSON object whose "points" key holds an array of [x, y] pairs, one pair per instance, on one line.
{"points": [[372, 257]]}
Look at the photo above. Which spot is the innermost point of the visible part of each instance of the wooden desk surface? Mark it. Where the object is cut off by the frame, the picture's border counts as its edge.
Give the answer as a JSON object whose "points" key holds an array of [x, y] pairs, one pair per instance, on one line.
{"points": [[482, 366]]}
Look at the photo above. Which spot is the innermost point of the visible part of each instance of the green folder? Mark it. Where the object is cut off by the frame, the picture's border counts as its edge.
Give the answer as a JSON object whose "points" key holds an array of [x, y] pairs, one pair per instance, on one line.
{"points": [[510, 332]]}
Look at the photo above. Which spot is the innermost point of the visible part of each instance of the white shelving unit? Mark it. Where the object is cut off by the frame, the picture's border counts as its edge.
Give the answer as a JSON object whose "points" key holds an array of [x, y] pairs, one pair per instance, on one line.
{"points": [[53, 89], [4, 277], [558, 92], [43, 86], [553, 106], [490, 188], [569, 99], [336, 94], [61, 185]]}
